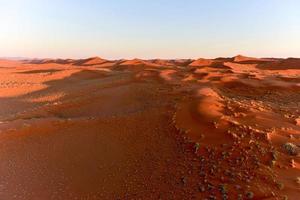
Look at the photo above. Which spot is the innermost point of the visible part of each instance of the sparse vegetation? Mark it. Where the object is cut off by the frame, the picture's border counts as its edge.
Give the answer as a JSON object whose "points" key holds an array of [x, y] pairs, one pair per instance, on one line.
{"points": [[196, 147]]}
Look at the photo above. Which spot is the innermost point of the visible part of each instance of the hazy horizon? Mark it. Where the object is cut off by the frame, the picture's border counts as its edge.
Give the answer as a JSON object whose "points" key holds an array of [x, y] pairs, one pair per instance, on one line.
{"points": [[157, 29]]}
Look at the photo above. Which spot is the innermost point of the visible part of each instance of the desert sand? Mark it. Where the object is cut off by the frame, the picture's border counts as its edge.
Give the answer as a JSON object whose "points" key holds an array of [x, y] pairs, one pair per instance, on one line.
{"points": [[224, 128]]}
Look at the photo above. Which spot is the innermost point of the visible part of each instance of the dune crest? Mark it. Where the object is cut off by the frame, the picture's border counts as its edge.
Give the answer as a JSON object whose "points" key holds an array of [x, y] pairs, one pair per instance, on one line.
{"points": [[241, 58], [90, 61], [201, 62]]}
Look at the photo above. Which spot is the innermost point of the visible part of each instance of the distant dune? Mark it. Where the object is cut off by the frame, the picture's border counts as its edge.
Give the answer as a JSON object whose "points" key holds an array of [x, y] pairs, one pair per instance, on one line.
{"points": [[201, 62], [90, 61]]}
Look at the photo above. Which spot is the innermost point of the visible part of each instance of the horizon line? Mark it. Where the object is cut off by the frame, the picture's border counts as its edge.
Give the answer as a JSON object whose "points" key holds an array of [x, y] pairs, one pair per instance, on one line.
{"points": [[20, 58]]}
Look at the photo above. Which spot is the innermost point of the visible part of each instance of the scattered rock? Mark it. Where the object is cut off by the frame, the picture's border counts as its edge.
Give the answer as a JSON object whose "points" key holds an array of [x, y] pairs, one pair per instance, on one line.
{"points": [[238, 187], [291, 149], [274, 155], [224, 197], [223, 189], [297, 121], [201, 188], [272, 163], [240, 197], [183, 180], [210, 187], [212, 197], [292, 163], [280, 186], [249, 195]]}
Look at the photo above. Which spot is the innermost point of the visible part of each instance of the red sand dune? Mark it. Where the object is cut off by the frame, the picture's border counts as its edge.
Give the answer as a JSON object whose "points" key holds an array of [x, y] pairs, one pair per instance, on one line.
{"points": [[181, 62], [134, 62], [201, 62], [162, 62], [240, 58], [50, 61], [282, 64], [90, 61], [224, 128]]}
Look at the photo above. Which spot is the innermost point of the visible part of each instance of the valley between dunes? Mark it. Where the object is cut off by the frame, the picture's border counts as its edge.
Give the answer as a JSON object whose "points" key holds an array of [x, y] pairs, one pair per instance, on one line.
{"points": [[224, 128]]}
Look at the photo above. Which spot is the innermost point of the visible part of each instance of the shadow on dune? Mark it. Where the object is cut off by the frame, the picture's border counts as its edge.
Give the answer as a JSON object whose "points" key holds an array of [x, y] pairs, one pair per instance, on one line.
{"points": [[39, 71], [68, 86], [49, 61], [256, 62], [72, 81], [290, 63]]}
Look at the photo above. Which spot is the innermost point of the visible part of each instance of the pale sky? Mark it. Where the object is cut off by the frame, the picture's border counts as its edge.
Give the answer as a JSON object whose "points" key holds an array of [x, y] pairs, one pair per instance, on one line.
{"points": [[149, 29]]}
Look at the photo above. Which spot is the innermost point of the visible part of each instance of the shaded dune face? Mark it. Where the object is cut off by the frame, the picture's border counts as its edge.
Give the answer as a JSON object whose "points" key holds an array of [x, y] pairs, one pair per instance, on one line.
{"points": [[283, 64], [224, 128]]}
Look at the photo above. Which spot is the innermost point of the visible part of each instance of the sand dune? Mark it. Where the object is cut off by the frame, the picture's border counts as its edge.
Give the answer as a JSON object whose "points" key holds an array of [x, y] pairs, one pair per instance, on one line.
{"points": [[201, 62], [90, 61], [162, 62], [224, 128], [283, 64], [134, 62], [245, 59]]}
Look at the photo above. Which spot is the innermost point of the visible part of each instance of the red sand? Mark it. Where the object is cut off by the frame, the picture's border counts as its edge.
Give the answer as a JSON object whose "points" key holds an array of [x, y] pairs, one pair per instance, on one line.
{"points": [[226, 128]]}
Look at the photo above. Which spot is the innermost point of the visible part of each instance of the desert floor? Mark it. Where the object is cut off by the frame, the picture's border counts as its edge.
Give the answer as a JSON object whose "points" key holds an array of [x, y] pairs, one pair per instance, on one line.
{"points": [[225, 128]]}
